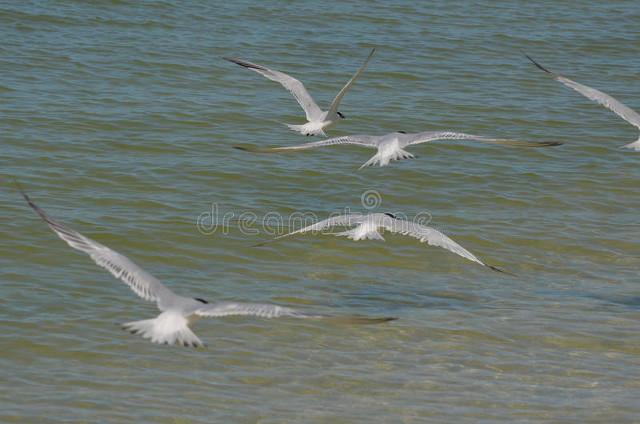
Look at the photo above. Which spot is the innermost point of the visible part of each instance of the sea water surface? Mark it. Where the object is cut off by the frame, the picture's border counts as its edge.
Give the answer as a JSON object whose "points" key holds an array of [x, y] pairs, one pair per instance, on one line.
{"points": [[119, 117]]}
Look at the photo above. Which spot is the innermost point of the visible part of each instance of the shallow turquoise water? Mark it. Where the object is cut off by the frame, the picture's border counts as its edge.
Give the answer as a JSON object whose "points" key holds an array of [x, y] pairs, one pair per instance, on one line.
{"points": [[119, 117]]}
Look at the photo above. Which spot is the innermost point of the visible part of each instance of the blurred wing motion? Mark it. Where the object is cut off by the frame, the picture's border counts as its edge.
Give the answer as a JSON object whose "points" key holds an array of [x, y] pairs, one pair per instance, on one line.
{"points": [[336, 101], [432, 237], [264, 310], [295, 87], [360, 140], [357, 319], [141, 282], [429, 136]]}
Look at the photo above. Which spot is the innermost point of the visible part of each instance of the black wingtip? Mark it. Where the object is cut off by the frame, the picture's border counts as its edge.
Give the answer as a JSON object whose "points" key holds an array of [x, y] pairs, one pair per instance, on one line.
{"points": [[234, 60], [494, 268], [539, 66], [547, 144], [244, 63], [372, 320], [20, 189], [500, 270], [252, 149], [357, 319], [29, 201]]}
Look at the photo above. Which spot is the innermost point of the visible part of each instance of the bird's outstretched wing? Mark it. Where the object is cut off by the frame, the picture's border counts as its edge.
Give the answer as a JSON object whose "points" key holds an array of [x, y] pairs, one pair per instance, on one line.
{"points": [[265, 310], [262, 310], [617, 107], [360, 140], [341, 220], [336, 101], [428, 136], [430, 236], [295, 87], [141, 282]]}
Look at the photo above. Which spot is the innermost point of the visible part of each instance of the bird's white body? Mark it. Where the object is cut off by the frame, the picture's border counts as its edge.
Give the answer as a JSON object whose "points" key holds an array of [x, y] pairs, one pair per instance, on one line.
{"points": [[389, 148], [316, 126], [367, 227], [392, 146], [367, 230]]}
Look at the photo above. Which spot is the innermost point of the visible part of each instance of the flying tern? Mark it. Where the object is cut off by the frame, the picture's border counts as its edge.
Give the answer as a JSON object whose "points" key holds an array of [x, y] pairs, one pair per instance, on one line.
{"points": [[177, 312], [615, 106], [391, 146], [318, 120], [367, 226]]}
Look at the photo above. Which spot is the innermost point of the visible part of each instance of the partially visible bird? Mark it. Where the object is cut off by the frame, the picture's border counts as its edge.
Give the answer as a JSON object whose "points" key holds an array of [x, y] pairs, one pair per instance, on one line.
{"points": [[615, 106], [391, 146], [177, 312], [318, 120]]}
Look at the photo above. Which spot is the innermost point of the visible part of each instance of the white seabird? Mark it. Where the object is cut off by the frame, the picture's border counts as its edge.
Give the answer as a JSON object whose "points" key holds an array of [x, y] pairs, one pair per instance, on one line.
{"points": [[367, 226], [391, 146], [177, 312], [615, 106], [318, 120]]}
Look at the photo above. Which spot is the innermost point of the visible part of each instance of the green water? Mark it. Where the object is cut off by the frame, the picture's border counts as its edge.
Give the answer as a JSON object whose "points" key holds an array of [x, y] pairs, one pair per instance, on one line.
{"points": [[118, 117]]}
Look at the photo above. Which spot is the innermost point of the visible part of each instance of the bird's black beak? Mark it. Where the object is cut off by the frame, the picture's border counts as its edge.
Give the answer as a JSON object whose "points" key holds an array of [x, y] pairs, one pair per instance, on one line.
{"points": [[340, 115]]}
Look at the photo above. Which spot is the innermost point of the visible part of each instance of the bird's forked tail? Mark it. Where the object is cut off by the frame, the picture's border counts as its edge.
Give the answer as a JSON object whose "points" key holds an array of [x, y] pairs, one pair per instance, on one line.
{"points": [[384, 159], [307, 129], [375, 159], [167, 328]]}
